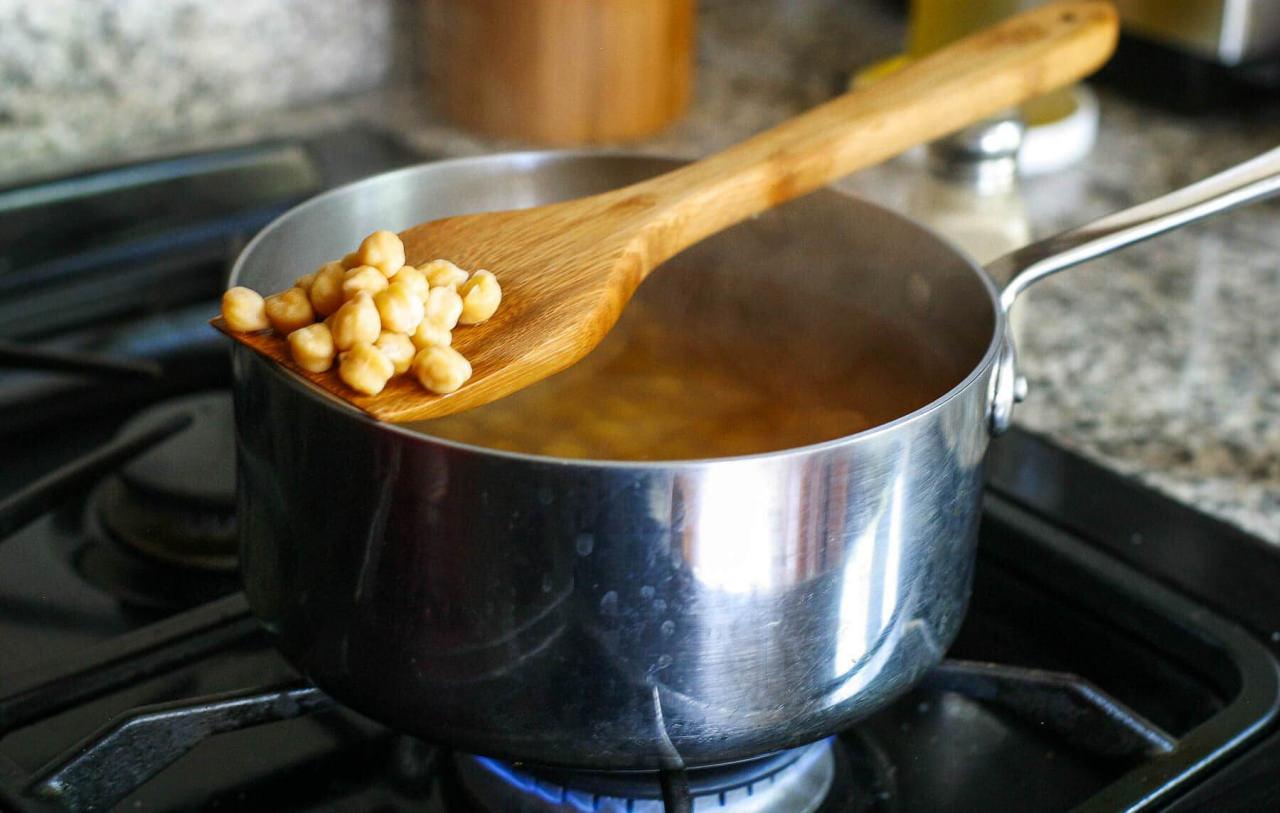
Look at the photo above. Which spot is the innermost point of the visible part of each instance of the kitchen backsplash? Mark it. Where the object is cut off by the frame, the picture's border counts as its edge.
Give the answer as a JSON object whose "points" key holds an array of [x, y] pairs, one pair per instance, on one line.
{"points": [[141, 70]]}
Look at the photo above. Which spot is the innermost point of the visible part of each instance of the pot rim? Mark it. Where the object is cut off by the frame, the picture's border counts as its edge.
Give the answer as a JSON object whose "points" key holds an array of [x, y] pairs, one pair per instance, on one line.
{"points": [[531, 157]]}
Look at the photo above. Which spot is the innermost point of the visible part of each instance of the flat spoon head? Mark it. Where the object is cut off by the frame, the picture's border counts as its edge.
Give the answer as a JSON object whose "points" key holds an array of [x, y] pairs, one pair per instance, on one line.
{"points": [[567, 269]]}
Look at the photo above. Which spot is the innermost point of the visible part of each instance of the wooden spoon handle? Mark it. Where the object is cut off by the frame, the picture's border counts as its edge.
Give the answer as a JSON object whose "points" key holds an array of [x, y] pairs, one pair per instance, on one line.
{"points": [[990, 71]]}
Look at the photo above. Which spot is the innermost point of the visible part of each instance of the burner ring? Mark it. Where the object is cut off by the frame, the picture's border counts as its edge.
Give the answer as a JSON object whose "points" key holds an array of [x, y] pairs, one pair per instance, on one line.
{"points": [[176, 502], [796, 781], [204, 540], [160, 533], [139, 580]]}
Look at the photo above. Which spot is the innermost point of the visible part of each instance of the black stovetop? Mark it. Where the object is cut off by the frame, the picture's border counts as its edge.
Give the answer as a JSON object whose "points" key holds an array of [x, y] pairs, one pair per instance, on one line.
{"points": [[1118, 653]]}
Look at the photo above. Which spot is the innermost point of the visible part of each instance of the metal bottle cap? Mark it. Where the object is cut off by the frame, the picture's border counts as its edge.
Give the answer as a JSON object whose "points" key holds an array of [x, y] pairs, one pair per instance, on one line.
{"points": [[984, 155]]}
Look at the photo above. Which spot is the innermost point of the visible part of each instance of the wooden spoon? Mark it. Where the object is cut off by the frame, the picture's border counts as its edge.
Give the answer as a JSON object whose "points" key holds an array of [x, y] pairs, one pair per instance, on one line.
{"points": [[568, 269]]}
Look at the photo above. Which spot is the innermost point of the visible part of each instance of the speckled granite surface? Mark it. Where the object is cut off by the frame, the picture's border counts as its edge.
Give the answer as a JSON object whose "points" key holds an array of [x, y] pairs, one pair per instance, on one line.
{"points": [[88, 79], [1162, 362]]}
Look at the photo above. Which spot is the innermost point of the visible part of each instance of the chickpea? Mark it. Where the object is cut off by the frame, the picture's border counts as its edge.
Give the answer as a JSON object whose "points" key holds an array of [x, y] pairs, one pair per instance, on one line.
{"points": [[441, 369], [441, 273], [312, 347], [350, 260], [397, 347], [414, 278], [356, 322], [480, 297], [363, 278], [289, 310], [326, 289], [383, 250], [365, 368], [443, 307], [428, 335], [244, 310], [400, 308], [307, 280]]}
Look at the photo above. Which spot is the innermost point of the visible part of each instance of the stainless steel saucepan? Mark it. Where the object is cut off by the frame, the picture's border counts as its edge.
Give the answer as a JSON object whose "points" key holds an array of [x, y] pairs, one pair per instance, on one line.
{"points": [[615, 614]]}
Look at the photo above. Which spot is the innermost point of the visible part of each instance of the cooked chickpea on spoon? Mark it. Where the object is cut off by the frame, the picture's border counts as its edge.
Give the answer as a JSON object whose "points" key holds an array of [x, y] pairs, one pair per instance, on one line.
{"points": [[378, 317]]}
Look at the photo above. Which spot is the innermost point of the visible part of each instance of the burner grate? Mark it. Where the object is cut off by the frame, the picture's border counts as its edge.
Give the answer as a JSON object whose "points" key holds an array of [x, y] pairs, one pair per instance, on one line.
{"points": [[46, 493], [110, 764], [113, 762], [14, 356]]}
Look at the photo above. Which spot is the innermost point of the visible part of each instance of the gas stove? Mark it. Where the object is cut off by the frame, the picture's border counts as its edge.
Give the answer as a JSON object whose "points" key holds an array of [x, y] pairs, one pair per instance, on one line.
{"points": [[1119, 652]]}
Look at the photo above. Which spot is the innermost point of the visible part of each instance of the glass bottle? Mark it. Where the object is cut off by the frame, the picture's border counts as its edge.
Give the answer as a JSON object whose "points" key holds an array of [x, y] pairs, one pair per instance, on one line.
{"points": [[970, 193]]}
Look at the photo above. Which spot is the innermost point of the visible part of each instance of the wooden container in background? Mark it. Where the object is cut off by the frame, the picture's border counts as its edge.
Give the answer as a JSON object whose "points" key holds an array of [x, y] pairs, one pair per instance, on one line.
{"points": [[560, 71]]}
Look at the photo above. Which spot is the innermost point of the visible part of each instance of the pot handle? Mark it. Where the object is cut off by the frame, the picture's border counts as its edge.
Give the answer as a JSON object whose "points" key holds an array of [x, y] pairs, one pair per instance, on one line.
{"points": [[1251, 181]]}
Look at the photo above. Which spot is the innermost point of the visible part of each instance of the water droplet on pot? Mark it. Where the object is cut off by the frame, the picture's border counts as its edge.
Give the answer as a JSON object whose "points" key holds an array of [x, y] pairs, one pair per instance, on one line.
{"points": [[547, 583], [585, 543], [664, 661], [609, 603], [659, 605], [646, 592], [668, 629]]}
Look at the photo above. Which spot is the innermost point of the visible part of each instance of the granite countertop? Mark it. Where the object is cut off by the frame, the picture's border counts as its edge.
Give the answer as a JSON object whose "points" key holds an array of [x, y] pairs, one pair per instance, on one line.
{"points": [[1162, 362]]}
